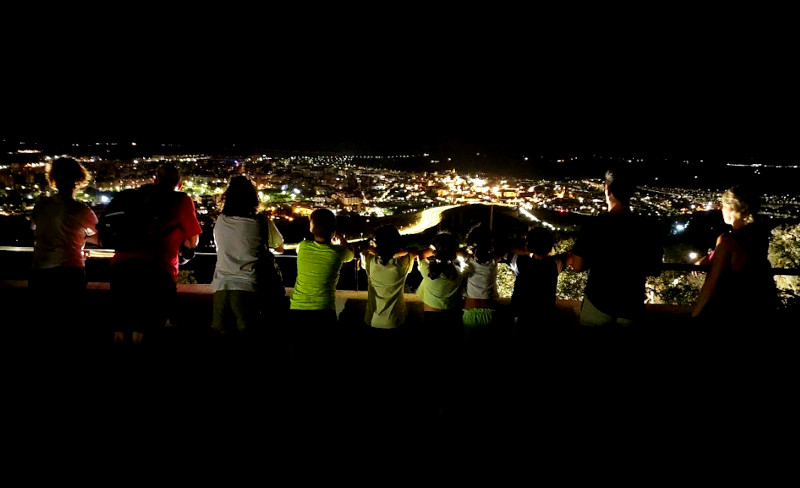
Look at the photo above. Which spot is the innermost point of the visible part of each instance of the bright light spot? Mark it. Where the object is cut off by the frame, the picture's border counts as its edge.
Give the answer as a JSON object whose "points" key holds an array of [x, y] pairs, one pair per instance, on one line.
{"points": [[692, 255], [104, 199]]}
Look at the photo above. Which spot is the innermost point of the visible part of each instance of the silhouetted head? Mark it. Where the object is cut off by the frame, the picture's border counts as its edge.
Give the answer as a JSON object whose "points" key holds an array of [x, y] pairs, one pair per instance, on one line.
{"points": [[443, 261], [168, 175], [445, 246], [620, 184], [387, 242], [66, 174], [240, 198], [481, 241], [323, 223], [539, 240]]}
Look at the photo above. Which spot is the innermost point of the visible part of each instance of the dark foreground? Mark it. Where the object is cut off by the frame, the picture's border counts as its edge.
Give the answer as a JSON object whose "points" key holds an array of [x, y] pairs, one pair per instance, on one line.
{"points": [[349, 399]]}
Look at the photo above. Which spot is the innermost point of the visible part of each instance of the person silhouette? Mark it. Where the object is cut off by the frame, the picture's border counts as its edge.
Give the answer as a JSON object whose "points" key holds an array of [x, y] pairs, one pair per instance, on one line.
{"points": [[240, 301], [385, 346], [739, 290], [533, 299], [387, 265], [480, 320], [144, 280], [62, 226], [442, 335], [619, 249], [312, 304]]}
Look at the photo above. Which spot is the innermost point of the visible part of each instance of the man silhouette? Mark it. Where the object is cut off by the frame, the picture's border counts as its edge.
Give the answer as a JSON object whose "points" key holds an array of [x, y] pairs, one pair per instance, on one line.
{"points": [[619, 249], [144, 278]]}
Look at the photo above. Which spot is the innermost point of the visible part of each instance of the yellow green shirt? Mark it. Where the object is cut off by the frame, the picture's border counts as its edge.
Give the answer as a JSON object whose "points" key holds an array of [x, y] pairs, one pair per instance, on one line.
{"points": [[318, 266]]}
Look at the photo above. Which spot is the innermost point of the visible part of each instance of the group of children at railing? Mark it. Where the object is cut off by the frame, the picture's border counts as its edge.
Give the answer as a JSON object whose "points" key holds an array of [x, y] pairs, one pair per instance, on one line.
{"points": [[618, 248]]}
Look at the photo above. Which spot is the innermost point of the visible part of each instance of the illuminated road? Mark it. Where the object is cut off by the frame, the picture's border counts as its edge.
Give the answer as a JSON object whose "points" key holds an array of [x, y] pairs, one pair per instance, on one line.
{"points": [[427, 219]]}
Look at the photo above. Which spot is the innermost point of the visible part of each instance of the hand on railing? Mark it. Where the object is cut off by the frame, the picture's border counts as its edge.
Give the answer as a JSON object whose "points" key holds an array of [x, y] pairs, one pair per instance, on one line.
{"points": [[704, 261]]}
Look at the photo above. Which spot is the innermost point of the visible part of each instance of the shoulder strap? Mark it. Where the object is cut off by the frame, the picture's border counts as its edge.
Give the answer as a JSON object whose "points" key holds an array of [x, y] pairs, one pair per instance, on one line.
{"points": [[263, 228]]}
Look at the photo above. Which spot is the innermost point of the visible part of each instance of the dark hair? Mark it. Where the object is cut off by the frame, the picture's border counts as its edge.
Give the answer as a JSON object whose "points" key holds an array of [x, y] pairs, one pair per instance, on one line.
{"points": [[323, 223], [443, 261], [387, 242], [240, 198], [481, 240], [168, 175], [620, 185], [67, 173], [539, 241]]}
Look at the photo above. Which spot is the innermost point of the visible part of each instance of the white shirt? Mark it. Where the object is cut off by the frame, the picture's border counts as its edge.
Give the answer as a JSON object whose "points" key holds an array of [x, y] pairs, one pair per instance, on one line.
{"points": [[239, 243], [481, 278]]}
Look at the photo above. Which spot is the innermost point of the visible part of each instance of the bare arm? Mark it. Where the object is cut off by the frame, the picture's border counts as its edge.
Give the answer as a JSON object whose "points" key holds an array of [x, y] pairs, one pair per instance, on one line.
{"points": [[577, 263], [403, 252], [92, 236], [192, 242], [339, 240], [562, 261], [425, 253], [520, 251], [721, 260]]}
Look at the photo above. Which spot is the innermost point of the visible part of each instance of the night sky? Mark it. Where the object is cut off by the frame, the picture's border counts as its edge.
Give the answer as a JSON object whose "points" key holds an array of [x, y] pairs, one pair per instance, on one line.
{"points": [[493, 81]]}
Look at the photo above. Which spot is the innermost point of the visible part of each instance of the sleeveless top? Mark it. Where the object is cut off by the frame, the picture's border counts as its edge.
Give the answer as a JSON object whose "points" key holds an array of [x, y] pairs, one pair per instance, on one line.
{"points": [[747, 295]]}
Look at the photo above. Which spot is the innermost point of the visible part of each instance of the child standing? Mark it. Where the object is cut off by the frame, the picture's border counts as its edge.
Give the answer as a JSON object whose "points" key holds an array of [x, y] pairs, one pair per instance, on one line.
{"points": [[533, 301], [480, 271], [441, 292], [312, 306], [387, 265]]}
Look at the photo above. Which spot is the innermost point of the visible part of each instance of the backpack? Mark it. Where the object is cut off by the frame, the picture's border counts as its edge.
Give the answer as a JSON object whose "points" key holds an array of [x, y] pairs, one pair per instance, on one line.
{"points": [[135, 220], [268, 272]]}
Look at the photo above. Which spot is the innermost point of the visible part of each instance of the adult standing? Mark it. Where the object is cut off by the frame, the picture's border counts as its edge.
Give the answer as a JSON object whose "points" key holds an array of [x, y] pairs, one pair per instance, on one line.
{"points": [[739, 290], [144, 278], [244, 270], [619, 249], [62, 226]]}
